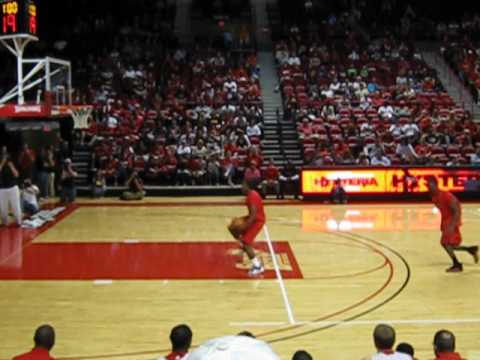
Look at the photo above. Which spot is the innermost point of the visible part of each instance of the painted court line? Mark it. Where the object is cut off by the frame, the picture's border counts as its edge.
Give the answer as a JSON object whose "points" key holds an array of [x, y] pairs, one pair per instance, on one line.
{"points": [[423, 322], [103, 282], [288, 307]]}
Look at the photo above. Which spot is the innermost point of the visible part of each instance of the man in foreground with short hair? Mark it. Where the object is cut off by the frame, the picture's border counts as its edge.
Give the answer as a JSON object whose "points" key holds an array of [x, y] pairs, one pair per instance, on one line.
{"points": [[384, 340], [44, 340], [444, 346], [181, 339], [451, 212]]}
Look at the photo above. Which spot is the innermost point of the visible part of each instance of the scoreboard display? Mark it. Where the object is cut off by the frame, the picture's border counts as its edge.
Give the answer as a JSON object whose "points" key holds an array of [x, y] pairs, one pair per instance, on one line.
{"points": [[18, 17], [373, 181]]}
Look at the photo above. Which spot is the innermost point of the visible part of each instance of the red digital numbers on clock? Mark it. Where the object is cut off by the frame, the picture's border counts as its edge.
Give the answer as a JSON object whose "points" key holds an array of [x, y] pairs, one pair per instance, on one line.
{"points": [[9, 23], [10, 17]]}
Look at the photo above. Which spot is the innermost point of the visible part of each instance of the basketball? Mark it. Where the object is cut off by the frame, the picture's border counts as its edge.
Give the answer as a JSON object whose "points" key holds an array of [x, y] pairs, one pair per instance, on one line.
{"points": [[238, 224]]}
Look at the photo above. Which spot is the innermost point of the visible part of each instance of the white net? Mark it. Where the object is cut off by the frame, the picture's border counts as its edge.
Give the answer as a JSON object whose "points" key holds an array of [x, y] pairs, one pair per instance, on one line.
{"points": [[81, 116]]}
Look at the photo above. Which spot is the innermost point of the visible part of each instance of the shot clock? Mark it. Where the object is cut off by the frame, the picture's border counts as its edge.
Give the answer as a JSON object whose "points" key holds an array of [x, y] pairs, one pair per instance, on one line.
{"points": [[18, 17]]}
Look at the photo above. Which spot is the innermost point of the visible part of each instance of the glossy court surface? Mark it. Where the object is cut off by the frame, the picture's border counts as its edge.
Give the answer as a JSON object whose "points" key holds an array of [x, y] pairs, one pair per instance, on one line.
{"points": [[113, 278]]}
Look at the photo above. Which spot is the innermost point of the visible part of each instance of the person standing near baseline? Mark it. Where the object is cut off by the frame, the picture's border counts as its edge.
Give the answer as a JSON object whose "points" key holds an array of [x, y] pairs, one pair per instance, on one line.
{"points": [[9, 191], [451, 212]]}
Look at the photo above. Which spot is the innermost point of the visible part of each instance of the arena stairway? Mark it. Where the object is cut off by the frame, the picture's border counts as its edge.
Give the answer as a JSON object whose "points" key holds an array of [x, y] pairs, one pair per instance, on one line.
{"points": [[81, 158], [450, 81], [280, 137]]}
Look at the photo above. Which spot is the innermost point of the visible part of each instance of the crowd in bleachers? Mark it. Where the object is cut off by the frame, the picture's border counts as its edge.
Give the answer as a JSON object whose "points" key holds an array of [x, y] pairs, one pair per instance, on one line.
{"points": [[200, 124], [172, 115], [370, 103]]}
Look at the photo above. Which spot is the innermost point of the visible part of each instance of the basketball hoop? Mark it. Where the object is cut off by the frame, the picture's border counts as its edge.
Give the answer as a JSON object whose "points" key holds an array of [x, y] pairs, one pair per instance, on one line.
{"points": [[80, 114]]}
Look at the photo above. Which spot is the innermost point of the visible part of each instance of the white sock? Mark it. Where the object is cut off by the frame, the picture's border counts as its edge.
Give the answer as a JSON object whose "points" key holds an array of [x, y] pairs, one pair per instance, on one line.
{"points": [[256, 262]]}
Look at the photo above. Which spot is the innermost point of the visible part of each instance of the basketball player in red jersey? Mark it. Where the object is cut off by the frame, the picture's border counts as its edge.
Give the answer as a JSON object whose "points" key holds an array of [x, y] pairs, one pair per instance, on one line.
{"points": [[451, 212], [252, 225]]}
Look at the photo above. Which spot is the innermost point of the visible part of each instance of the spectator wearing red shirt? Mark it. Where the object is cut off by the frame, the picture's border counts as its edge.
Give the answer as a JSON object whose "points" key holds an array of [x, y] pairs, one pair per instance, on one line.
{"points": [[270, 180], [444, 346], [252, 174], [44, 340], [197, 168], [254, 156], [181, 339]]}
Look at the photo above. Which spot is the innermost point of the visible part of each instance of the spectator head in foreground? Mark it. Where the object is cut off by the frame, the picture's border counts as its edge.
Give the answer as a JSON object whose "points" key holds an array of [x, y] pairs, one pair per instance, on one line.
{"points": [[302, 355], [405, 348], [383, 337], [246, 333], [44, 337], [181, 338], [443, 342]]}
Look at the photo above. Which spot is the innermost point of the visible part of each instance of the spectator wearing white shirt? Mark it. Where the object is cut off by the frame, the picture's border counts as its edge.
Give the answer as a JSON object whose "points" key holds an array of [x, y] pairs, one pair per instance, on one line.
{"points": [[362, 92], [253, 129], [230, 86], [335, 86], [396, 131], [112, 122], [411, 130], [200, 149], [384, 340], [374, 148], [386, 111], [475, 158], [328, 93], [367, 129], [294, 60], [29, 198], [401, 80], [184, 149], [129, 73], [379, 159], [354, 56], [282, 56]]}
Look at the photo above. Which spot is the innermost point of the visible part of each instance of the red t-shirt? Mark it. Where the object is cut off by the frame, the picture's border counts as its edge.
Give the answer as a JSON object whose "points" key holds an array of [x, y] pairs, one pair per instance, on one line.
{"points": [[271, 172], [449, 356], [36, 354], [175, 355], [254, 199], [443, 201]]}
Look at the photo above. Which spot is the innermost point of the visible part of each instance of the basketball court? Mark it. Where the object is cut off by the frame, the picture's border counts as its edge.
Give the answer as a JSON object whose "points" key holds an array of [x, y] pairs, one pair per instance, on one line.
{"points": [[113, 278]]}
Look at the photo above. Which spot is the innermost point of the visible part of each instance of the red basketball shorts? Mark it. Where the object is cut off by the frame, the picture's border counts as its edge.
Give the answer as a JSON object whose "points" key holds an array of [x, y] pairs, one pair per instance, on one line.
{"points": [[452, 239], [248, 237]]}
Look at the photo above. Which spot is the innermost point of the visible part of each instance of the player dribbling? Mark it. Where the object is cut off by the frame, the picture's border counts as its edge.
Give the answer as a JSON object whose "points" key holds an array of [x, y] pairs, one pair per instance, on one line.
{"points": [[250, 227], [451, 212]]}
